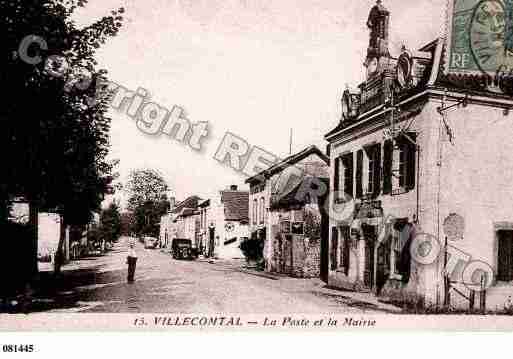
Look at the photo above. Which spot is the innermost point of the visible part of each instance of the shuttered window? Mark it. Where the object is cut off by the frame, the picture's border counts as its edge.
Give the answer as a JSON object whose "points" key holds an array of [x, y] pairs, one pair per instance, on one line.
{"points": [[411, 162], [262, 211], [388, 152], [404, 164], [376, 153], [374, 170], [334, 248], [348, 163], [336, 178], [359, 174]]}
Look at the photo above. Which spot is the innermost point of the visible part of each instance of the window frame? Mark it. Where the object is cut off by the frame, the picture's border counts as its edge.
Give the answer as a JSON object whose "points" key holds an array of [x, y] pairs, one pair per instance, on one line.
{"points": [[255, 211], [262, 210], [373, 169], [404, 164], [347, 162]]}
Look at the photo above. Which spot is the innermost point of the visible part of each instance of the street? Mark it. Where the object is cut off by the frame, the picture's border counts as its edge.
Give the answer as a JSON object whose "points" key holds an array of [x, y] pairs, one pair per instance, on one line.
{"points": [[165, 285]]}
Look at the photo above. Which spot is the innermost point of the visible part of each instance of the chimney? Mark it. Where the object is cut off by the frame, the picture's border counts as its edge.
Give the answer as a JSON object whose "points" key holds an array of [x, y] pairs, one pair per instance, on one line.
{"points": [[234, 187]]}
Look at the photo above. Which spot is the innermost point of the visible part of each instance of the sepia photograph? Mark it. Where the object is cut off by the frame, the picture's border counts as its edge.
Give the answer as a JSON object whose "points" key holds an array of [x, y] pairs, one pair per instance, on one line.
{"points": [[256, 165]]}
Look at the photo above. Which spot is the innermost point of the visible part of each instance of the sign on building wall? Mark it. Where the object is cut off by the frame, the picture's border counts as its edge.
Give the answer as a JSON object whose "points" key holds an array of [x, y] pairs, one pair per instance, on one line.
{"points": [[480, 37], [298, 228]]}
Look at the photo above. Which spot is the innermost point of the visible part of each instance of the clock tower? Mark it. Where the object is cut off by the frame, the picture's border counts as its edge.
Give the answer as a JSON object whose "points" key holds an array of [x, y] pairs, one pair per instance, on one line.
{"points": [[378, 24]]}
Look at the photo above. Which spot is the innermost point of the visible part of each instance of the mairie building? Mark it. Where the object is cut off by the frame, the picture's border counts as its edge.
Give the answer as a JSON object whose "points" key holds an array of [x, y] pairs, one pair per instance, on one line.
{"points": [[421, 205]]}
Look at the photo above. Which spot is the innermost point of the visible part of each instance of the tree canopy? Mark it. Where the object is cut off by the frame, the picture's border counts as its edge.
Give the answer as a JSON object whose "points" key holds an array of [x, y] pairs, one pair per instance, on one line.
{"points": [[145, 185], [147, 191], [56, 138], [110, 223]]}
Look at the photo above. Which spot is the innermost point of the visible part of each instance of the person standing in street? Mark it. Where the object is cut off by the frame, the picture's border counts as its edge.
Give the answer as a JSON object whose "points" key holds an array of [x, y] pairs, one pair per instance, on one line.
{"points": [[131, 260]]}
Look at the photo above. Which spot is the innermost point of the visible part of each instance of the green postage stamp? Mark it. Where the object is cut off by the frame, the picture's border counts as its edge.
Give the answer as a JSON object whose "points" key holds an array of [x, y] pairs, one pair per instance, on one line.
{"points": [[480, 37]]}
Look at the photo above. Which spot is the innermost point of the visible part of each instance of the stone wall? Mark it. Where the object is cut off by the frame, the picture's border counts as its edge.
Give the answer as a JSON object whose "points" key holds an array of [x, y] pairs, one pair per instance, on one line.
{"points": [[296, 255]]}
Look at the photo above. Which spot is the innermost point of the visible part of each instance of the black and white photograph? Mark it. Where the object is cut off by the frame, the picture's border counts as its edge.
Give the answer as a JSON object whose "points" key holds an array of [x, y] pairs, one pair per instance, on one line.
{"points": [[256, 165]]}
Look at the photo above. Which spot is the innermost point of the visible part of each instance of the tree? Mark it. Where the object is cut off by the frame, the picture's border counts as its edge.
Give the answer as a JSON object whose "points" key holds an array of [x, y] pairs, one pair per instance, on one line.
{"points": [[145, 185], [56, 137], [147, 200], [110, 223], [127, 223]]}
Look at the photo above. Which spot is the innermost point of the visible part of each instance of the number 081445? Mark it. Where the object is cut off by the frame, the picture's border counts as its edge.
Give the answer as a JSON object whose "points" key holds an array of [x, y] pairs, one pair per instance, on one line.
{"points": [[23, 348]]}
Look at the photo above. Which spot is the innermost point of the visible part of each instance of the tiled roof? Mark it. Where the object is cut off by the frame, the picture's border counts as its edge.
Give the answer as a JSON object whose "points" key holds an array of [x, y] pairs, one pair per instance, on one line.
{"points": [[191, 202], [236, 205], [289, 161], [291, 196], [187, 212]]}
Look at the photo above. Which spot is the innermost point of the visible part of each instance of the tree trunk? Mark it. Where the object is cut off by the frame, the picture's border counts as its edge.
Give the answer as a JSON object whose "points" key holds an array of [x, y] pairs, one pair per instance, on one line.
{"points": [[59, 255]]}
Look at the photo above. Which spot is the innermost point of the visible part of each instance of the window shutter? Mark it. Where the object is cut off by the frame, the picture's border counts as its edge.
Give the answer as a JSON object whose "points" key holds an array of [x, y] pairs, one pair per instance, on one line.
{"points": [[336, 178], [411, 170], [377, 170], [334, 247], [346, 252], [359, 174], [388, 157], [349, 182]]}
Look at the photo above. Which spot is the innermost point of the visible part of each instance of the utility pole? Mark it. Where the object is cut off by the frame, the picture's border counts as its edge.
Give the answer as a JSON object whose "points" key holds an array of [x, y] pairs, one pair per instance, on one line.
{"points": [[290, 143]]}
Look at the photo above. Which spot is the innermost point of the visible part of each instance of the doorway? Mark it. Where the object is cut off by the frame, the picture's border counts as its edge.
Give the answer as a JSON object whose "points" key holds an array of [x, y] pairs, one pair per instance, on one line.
{"points": [[369, 234]]}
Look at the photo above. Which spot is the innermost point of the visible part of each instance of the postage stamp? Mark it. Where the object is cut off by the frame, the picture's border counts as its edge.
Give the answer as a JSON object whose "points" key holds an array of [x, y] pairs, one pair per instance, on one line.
{"points": [[229, 165], [480, 37]]}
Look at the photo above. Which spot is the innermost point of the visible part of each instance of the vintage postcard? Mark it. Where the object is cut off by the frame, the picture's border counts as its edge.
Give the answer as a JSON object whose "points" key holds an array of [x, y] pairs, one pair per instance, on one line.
{"points": [[256, 165]]}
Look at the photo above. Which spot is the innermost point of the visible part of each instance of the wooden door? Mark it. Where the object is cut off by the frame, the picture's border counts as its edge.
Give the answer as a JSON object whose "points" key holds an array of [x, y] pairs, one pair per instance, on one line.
{"points": [[369, 264]]}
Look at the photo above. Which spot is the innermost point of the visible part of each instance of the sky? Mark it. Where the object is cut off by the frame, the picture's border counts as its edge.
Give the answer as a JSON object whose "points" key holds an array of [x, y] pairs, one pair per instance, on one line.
{"points": [[255, 68]]}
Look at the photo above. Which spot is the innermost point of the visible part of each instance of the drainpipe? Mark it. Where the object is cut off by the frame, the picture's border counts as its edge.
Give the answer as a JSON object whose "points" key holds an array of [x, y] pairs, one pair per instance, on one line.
{"points": [[438, 199]]}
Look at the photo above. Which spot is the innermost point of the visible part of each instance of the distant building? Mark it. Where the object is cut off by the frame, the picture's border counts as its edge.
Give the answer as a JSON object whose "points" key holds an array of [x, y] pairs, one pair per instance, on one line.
{"points": [[224, 223], [182, 222], [288, 218]]}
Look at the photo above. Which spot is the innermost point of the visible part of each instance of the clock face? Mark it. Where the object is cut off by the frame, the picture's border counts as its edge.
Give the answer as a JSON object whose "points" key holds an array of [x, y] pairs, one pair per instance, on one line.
{"points": [[487, 37], [404, 70]]}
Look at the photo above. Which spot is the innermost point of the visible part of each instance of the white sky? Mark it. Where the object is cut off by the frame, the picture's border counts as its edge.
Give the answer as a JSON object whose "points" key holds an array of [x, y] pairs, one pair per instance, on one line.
{"points": [[255, 68]]}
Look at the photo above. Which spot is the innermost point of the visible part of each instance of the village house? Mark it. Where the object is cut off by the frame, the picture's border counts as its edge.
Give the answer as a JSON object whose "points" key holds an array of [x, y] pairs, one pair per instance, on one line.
{"points": [[292, 224], [226, 223], [421, 155], [181, 222], [206, 230]]}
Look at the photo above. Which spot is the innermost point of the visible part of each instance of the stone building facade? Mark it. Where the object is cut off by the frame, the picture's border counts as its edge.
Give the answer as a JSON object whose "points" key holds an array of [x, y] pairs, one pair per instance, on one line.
{"points": [[292, 226], [421, 158]]}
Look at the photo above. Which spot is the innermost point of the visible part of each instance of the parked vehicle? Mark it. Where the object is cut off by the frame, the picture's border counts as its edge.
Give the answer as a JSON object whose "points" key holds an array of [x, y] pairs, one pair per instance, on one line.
{"points": [[150, 242], [183, 249]]}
